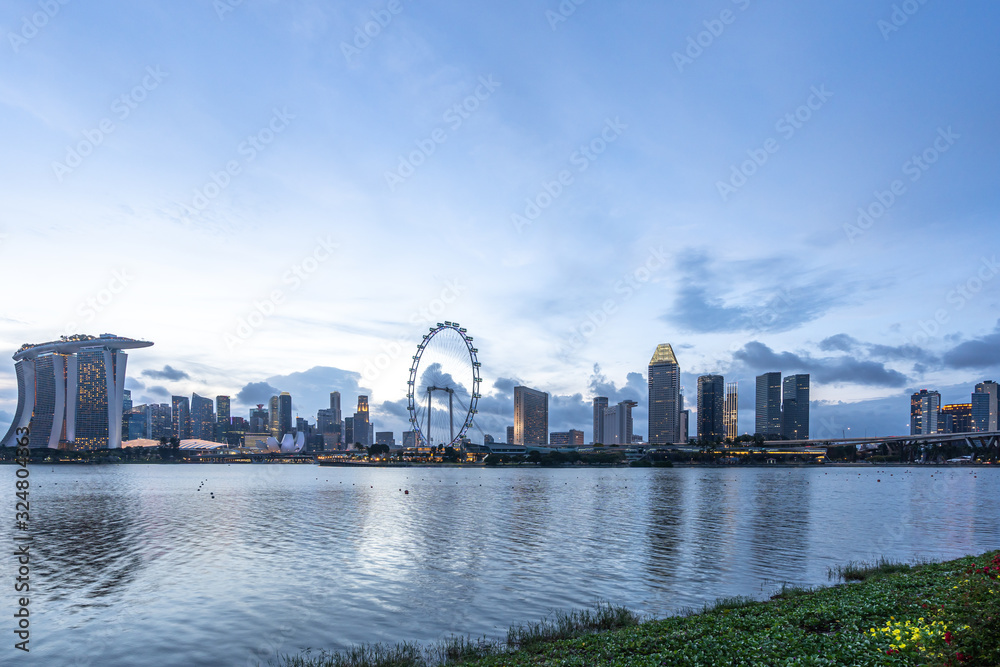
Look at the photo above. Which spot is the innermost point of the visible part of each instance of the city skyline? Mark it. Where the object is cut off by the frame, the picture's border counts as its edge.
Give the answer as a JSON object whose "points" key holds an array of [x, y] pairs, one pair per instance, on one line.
{"points": [[303, 213]]}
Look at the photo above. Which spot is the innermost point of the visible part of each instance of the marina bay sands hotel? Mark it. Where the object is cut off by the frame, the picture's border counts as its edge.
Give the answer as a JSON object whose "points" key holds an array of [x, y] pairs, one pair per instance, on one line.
{"points": [[71, 392]]}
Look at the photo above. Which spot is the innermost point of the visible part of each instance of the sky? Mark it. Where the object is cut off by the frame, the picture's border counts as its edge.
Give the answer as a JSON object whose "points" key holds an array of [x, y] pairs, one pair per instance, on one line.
{"points": [[285, 196]]}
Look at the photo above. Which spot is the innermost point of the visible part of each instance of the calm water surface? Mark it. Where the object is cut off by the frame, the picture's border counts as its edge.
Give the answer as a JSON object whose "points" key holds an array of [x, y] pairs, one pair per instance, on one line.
{"points": [[139, 565]]}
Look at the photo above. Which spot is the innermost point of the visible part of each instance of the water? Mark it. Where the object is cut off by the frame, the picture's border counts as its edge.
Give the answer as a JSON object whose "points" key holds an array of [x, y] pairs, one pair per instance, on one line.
{"points": [[134, 565]]}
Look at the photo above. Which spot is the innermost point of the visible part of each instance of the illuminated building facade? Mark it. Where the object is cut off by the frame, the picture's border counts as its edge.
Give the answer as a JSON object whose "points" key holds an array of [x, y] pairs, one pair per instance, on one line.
{"points": [[362, 424], [202, 418], [924, 408], [618, 424], [664, 397], [767, 405], [284, 413], [955, 418], [711, 403], [795, 407], [531, 417], [180, 416], [71, 392], [731, 411], [984, 407]]}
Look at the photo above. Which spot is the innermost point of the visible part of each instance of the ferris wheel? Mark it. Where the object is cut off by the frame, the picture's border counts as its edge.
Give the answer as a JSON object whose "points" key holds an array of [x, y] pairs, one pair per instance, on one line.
{"points": [[443, 390]]}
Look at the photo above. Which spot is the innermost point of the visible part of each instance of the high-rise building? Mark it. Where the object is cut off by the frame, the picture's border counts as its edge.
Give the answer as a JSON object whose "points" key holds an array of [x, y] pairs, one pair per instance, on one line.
{"points": [[767, 405], [600, 405], [335, 406], [385, 438], [568, 438], [984, 407], [259, 420], [284, 413], [222, 410], [795, 407], [711, 404], [135, 423], [510, 435], [531, 416], [202, 420], [158, 421], [664, 397], [362, 425], [924, 408], [685, 421], [955, 418], [126, 411], [731, 412], [349, 438], [274, 421], [180, 416], [411, 439], [618, 424]]}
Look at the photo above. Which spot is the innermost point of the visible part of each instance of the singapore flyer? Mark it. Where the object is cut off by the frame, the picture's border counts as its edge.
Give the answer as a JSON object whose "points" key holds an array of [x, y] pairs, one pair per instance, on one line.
{"points": [[443, 389]]}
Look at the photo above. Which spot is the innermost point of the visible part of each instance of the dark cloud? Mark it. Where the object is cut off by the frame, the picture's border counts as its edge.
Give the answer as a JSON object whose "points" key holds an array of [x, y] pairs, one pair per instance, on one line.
{"points": [[981, 353], [256, 393], [839, 343], [169, 374], [760, 358], [157, 390], [133, 384]]}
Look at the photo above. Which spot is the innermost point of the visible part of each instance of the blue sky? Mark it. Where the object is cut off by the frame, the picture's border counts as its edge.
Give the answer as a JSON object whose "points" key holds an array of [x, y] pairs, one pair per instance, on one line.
{"points": [[272, 198]]}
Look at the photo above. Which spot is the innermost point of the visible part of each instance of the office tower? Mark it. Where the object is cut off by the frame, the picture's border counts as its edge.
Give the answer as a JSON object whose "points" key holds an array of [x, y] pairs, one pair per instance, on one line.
{"points": [[685, 422], [984, 407], [284, 413], [274, 422], [362, 425], [767, 404], [181, 417], [618, 424], [711, 404], [795, 407], [158, 421], [135, 423], [664, 397], [531, 417], [571, 437], [600, 405], [259, 420], [349, 438], [325, 420], [202, 421], [385, 438], [335, 406], [222, 409], [924, 408], [955, 418], [731, 414], [410, 439]]}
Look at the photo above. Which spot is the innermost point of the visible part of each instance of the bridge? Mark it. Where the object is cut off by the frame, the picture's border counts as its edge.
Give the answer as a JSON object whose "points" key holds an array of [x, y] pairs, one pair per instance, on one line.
{"points": [[902, 444]]}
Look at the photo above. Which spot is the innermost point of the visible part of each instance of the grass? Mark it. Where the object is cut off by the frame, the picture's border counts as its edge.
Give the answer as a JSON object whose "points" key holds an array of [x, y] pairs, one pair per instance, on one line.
{"points": [[926, 614]]}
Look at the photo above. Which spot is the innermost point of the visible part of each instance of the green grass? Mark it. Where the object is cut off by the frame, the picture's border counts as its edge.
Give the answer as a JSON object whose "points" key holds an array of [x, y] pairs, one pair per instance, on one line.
{"points": [[935, 614]]}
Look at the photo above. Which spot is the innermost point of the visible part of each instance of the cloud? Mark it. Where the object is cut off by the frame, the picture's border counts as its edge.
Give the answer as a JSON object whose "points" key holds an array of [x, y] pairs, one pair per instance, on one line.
{"points": [[256, 393], [839, 343], [981, 353], [157, 390], [168, 373], [827, 370], [773, 307]]}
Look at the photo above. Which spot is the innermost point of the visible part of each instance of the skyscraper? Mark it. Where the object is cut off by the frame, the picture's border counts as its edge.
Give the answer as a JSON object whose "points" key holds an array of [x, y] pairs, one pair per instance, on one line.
{"points": [[731, 415], [531, 417], [984, 407], [600, 405], [335, 406], [618, 424], [795, 407], [274, 424], [767, 404], [510, 435], [158, 422], [362, 424], [181, 417], [222, 409], [711, 403], [259, 421], [664, 397], [924, 408], [349, 439], [955, 418], [284, 413], [202, 422]]}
